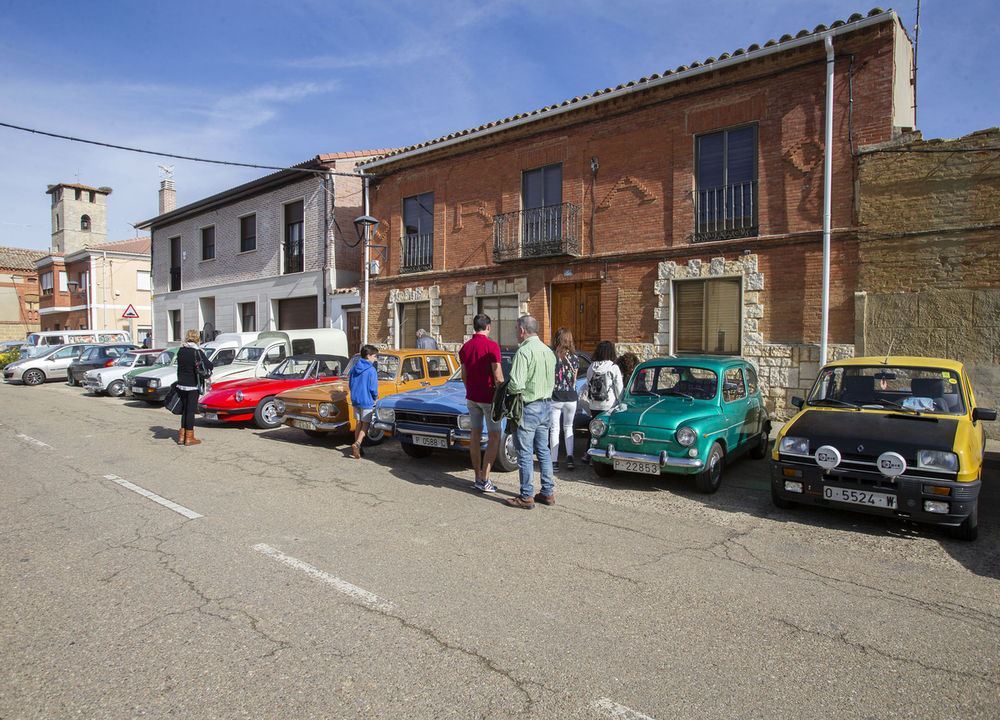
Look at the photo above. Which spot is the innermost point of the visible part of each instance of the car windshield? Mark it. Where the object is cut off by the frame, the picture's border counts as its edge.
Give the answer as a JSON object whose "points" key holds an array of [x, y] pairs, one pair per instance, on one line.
{"points": [[913, 389], [292, 369], [126, 360], [249, 354], [165, 358], [686, 381]]}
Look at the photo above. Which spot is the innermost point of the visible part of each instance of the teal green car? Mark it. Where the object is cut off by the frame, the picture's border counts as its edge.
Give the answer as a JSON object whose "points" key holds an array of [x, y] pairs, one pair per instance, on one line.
{"points": [[684, 415], [165, 358]]}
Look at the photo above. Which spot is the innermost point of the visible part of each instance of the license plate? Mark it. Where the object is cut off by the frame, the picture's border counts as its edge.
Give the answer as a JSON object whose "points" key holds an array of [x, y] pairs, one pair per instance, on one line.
{"points": [[860, 497], [637, 466], [211, 416], [430, 441], [303, 425]]}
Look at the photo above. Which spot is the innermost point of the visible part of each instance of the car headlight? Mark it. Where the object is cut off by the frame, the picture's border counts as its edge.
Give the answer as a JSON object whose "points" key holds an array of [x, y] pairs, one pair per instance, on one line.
{"points": [[937, 460], [154, 383], [686, 436], [239, 396], [464, 422], [794, 445], [598, 427], [279, 406], [324, 410], [387, 415]]}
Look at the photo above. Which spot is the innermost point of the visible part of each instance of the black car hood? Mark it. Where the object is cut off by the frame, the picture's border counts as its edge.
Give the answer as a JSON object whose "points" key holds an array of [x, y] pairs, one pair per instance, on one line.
{"points": [[875, 433]]}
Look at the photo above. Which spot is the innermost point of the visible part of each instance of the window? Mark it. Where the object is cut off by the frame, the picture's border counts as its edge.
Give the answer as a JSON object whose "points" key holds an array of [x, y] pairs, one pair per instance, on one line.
{"points": [[413, 369], [63, 281], [208, 243], [175, 325], [92, 195], [418, 245], [412, 317], [751, 380], [437, 366], [79, 193], [707, 316], [248, 316], [248, 233], [504, 311], [47, 283], [85, 223], [293, 237], [58, 226], [142, 280], [542, 203], [732, 385], [175, 264], [726, 178]]}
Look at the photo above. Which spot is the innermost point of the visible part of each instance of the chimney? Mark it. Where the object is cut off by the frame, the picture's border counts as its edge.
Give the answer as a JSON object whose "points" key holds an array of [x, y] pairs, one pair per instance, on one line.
{"points": [[168, 196]]}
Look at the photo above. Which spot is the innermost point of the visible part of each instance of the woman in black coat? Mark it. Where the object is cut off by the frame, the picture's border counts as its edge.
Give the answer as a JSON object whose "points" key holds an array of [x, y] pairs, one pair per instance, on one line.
{"points": [[188, 380]]}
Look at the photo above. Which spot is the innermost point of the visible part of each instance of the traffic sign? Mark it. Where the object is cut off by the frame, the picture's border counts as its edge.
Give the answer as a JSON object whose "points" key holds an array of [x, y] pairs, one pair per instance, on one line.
{"points": [[130, 313]]}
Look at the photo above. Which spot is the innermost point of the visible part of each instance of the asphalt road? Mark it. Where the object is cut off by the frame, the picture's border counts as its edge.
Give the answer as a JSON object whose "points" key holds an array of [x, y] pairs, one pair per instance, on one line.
{"points": [[263, 574]]}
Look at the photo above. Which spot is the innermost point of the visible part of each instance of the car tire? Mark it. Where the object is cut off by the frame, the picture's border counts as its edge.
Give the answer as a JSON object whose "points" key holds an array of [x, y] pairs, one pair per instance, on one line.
{"points": [[374, 436], [415, 451], [33, 377], [264, 415], [506, 460], [604, 470], [317, 434], [70, 380], [780, 502], [116, 388], [969, 529], [709, 480], [763, 444]]}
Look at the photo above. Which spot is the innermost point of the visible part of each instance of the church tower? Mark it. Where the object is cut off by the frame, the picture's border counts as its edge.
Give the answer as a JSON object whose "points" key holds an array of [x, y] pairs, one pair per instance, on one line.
{"points": [[79, 216]]}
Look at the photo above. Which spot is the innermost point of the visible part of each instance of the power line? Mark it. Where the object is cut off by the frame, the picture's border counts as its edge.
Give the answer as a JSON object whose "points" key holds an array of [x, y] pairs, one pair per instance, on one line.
{"points": [[171, 155]]}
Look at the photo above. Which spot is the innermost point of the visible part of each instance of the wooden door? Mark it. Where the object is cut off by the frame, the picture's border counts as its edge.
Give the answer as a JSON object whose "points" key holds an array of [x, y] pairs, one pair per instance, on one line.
{"points": [[353, 331], [578, 307]]}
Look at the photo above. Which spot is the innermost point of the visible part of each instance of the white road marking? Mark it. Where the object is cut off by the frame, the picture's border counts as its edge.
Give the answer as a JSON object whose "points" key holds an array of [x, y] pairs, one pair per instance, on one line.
{"points": [[32, 441], [365, 597], [190, 514], [618, 712]]}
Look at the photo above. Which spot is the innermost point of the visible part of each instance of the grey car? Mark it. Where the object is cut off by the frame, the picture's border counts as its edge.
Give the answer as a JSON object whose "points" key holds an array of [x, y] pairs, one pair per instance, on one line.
{"points": [[51, 365]]}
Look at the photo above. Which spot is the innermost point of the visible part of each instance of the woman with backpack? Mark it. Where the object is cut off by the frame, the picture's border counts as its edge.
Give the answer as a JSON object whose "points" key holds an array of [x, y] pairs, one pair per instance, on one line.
{"points": [[564, 397], [604, 380]]}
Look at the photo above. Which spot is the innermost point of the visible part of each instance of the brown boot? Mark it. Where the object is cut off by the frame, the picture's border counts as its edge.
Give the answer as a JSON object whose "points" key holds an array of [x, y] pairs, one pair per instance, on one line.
{"points": [[189, 439], [182, 437]]}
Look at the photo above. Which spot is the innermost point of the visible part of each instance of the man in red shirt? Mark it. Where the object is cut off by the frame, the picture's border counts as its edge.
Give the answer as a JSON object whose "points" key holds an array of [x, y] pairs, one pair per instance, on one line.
{"points": [[481, 373]]}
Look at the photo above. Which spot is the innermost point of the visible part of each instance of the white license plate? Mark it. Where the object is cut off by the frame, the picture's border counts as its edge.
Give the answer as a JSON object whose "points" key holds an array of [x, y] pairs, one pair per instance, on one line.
{"points": [[303, 425], [211, 416], [637, 466], [430, 441], [860, 497]]}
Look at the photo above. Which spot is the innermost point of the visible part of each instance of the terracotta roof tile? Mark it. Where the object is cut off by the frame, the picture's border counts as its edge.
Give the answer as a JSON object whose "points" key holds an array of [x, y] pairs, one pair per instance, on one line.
{"points": [[19, 258]]}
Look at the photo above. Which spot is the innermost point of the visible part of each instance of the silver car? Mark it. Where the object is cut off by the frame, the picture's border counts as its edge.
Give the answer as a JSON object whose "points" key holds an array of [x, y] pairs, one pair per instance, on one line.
{"points": [[53, 364]]}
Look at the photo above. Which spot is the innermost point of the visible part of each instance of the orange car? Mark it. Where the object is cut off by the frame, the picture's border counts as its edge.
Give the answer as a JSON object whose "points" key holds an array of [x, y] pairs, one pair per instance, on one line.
{"points": [[326, 407]]}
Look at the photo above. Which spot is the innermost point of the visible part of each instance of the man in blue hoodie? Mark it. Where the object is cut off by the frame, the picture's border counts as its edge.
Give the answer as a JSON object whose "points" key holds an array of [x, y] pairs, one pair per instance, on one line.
{"points": [[363, 386]]}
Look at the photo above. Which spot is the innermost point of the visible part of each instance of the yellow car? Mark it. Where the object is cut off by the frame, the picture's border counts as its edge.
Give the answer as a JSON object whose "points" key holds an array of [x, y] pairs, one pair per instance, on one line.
{"points": [[326, 407], [894, 436]]}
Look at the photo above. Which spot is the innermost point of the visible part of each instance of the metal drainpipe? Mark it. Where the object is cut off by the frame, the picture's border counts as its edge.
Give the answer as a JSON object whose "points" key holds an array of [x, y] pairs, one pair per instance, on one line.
{"points": [[326, 244], [367, 251], [104, 275], [827, 201]]}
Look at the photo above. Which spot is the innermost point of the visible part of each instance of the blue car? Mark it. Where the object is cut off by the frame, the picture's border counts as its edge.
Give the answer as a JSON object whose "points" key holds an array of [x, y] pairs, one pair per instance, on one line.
{"points": [[437, 418]]}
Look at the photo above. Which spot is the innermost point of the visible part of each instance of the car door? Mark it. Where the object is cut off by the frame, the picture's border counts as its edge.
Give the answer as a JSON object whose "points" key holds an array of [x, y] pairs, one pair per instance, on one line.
{"points": [[738, 408], [58, 363], [413, 374], [439, 369]]}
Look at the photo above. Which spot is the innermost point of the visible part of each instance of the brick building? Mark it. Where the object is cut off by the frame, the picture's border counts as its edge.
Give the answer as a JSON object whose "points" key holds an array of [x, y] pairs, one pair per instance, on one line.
{"points": [[679, 213], [18, 293], [929, 252], [273, 254]]}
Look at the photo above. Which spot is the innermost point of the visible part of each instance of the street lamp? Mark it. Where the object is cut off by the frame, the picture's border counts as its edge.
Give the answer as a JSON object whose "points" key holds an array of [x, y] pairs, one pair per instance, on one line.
{"points": [[365, 227]]}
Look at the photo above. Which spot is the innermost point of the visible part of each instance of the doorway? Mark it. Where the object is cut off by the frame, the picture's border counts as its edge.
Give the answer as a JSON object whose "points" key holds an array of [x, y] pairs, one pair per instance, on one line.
{"points": [[577, 306]]}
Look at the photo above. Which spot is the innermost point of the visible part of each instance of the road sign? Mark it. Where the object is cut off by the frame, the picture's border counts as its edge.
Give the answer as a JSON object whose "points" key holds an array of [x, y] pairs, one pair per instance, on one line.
{"points": [[130, 313]]}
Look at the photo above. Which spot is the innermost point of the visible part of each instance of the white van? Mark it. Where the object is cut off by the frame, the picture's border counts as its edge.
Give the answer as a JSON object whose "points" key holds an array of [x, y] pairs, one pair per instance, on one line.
{"points": [[258, 358], [40, 342], [222, 350]]}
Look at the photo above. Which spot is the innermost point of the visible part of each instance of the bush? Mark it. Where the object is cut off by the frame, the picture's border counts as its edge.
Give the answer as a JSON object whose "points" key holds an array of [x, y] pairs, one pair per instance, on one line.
{"points": [[9, 357]]}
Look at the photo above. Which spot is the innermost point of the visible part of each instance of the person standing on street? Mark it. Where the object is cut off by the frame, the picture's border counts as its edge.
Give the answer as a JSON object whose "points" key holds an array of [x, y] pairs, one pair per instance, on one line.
{"points": [[425, 341], [362, 384], [481, 374], [604, 381], [189, 358], [564, 396], [532, 376]]}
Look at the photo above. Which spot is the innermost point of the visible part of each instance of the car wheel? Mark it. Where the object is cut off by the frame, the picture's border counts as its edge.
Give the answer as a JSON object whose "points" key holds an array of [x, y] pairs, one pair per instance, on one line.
{"points": [[70, 380], [316, 433], [374, 436], [116, 388], [506, 454], [415, 451], [33, 377], [603, 469], [763, 444], [265, 416], [969, 529], [780, 502], [709, 480]]}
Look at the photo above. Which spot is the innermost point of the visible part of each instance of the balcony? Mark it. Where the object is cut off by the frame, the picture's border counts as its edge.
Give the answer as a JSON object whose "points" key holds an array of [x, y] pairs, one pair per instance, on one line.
{"points": [[546, 231], [418, 253], [726, 212]]}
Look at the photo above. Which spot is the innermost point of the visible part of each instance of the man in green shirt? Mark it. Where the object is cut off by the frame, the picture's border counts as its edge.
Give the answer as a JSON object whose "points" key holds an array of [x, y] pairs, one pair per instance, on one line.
{"points": [[532, 376]]}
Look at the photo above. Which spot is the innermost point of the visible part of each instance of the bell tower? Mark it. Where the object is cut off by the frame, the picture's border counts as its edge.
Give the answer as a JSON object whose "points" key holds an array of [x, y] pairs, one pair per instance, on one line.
{"points": [[79, 216]]}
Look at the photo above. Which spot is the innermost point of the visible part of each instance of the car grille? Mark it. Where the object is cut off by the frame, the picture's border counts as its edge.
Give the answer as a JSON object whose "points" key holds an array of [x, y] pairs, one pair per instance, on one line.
{"points": [[427, 419], [140, 381], [859, 469]]}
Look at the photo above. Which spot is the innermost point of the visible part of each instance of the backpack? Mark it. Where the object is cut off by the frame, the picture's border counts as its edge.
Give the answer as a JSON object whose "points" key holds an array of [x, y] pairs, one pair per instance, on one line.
{"points": [[598, 387]]}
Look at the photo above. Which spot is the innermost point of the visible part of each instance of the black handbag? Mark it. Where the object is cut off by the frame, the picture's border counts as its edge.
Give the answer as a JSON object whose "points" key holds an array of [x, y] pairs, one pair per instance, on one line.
{"points": [[199, 366], [173, 401]]}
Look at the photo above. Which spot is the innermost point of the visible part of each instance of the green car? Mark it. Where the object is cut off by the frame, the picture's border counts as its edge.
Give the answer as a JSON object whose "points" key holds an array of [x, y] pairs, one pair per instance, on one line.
{"points": [[686, 415], [167, 357]]}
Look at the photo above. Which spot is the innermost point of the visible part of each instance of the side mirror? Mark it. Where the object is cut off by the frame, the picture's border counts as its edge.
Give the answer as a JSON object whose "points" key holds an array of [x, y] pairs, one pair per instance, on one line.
{"points": [[798, 402], [983, 414]]}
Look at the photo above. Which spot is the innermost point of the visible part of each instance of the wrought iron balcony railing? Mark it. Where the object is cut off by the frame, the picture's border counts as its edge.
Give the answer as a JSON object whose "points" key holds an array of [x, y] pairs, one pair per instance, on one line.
{"points": [[418, 253], [537, 232], [726, 212]]}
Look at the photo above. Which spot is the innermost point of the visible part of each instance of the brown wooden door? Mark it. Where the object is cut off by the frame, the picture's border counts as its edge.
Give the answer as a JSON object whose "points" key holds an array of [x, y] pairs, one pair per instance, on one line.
{"points": [[578, 307], [353, 331]]}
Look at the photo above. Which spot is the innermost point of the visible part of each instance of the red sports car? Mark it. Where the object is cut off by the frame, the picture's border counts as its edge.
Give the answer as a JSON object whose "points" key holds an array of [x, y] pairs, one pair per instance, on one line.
{"points": [[254, 397]]}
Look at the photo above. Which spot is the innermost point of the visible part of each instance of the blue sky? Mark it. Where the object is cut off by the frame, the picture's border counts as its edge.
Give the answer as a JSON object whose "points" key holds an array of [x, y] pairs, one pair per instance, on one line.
{"points": [[275, 83]]}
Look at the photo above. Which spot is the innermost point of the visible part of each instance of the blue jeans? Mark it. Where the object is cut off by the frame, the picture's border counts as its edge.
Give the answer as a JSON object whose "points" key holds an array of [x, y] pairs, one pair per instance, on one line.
{"points": [[532, 436]]}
